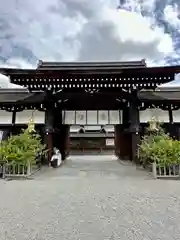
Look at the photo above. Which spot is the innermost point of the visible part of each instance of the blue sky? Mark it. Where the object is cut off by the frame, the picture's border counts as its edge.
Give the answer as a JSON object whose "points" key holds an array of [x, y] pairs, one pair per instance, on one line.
{"points": [[83, 30]]}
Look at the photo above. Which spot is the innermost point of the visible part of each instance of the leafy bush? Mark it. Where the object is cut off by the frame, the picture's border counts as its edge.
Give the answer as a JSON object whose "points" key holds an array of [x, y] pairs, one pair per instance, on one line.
{"points": [[22, 148], [159, 147]]}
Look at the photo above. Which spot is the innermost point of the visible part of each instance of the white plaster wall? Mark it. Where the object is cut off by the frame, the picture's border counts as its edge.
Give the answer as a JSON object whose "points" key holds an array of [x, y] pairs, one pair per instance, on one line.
{"points": [[24, 117], [159, 114], [92, 117], [5, 117], [176, 116], [69, 117], [115, 117]]}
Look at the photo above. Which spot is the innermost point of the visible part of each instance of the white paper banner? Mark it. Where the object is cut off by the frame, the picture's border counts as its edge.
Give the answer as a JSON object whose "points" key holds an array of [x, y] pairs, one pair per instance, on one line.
{"points": [[103, 117], [92, 117], [81, 117]]}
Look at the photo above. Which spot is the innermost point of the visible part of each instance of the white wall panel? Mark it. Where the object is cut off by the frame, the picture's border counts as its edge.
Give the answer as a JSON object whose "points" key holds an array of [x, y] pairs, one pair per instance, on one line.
{"points": [[92, 127], [69, 117], [103, 117], [159, 114], [74, 128], [109, 128], [25, 116], [81, 117], [145, 116], [114, 117], [1, 135], [163, 116], [110, 142], [91, 117], [176, 116], [5, 117]]}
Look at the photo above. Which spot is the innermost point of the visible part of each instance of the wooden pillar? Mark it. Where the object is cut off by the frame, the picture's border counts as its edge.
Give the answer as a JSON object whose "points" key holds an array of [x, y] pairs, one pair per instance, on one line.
{"points": [[49, 130], [67, 139], [62, 134], [117, 129], [125, 146], [134, 129], [172, 127], [123, 137], [13, 117], [64, 139], [13, 121]]}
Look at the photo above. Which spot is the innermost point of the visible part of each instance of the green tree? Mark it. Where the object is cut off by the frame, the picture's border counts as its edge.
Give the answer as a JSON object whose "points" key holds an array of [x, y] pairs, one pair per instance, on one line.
{"points": [[22, 148]]}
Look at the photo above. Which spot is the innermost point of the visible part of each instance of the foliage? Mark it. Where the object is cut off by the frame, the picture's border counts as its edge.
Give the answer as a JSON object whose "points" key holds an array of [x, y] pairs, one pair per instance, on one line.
{"points": [[22, 148], [159, 147]]}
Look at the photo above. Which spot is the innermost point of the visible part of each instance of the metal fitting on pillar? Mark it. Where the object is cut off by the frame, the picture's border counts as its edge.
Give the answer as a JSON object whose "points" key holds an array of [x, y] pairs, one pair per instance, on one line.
{"points": [[48, 130]]}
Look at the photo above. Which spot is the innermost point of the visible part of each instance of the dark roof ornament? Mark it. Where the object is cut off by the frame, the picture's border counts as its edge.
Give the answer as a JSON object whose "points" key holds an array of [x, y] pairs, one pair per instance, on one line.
{"points": [[102, 130], [144, 62], [40, 63], [82, 129]]}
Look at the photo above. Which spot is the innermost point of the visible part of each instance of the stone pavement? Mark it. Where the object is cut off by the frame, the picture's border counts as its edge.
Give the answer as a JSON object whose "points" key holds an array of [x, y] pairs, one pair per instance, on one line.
{"points": [[90, 198]]}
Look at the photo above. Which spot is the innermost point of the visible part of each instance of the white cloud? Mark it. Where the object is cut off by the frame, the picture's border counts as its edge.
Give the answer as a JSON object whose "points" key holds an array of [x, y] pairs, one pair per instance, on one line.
{"points": [[171, 85], [5, 83], [122, 35], [171, 15], [12, 63], [73, 30]]}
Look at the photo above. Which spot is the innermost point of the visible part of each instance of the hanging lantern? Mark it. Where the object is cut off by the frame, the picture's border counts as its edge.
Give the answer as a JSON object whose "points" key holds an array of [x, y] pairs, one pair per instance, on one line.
{"points": [[153, 124], [31, 126]]}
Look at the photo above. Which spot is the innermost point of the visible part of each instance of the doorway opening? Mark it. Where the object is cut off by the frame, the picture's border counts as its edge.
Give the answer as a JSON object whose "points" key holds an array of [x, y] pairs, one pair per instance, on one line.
{"points": [[91, 140]]}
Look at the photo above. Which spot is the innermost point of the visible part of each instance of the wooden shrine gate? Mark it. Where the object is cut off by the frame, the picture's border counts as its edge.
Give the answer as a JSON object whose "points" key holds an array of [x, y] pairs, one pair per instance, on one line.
{"points": [[110, 86]]}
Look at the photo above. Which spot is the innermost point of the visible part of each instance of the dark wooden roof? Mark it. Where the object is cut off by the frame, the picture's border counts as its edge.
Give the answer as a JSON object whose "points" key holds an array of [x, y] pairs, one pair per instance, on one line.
{"points": [[90, 65], [160, 95], [13, 95], [105, 71]]}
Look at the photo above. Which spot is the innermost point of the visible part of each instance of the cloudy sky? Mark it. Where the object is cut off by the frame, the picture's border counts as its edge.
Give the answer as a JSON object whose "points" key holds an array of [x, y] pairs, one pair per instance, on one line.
{"points": [[94, 30]]}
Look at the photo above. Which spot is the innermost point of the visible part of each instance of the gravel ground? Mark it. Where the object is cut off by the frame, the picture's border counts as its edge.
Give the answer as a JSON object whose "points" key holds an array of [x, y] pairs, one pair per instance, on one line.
{"points": [[90, 198]]}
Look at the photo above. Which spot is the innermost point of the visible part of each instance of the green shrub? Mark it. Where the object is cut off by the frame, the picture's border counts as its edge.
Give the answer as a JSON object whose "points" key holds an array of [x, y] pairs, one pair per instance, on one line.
{"points": [[21, 148], [159, 147]]}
